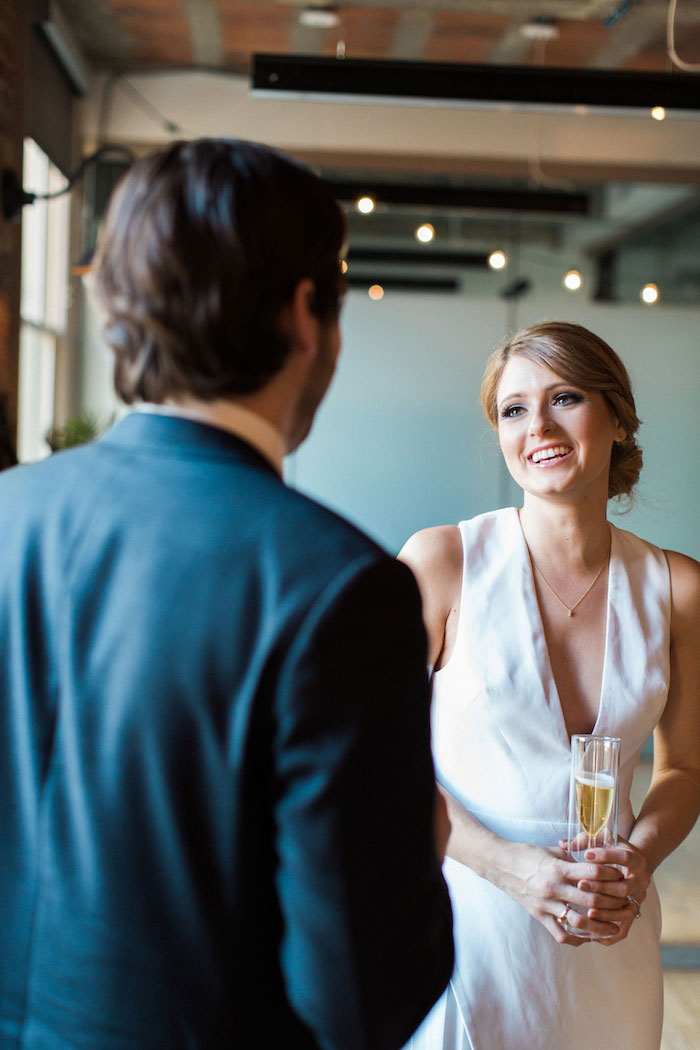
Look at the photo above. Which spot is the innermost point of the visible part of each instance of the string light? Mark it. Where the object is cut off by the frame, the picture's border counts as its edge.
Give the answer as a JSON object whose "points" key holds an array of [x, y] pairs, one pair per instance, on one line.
{"points": [[365, 205], [425, 233], [658, 113], [649, 293], [572, 280], [343, 266], [375, 292], [498, 260]]}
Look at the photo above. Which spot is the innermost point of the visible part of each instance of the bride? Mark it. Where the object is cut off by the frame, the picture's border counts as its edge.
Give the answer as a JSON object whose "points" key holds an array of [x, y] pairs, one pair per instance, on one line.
{"points": [[543, 622]]}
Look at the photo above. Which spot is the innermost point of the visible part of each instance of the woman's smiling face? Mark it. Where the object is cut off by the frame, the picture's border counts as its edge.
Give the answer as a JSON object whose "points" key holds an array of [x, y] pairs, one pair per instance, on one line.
{"points": [[556, 438]]}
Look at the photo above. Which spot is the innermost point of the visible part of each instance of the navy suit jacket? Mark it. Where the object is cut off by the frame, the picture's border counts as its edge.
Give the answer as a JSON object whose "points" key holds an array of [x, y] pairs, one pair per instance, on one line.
{"points": [[215, 782]]}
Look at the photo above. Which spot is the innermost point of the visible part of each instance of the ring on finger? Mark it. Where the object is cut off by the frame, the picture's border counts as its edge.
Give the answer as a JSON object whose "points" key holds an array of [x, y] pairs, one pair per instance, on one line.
{"points": [[562, 918], [638, 912]]}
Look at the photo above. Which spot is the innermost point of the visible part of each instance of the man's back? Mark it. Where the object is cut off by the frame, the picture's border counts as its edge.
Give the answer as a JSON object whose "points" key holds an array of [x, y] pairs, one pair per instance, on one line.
{"points": [[204, 678]]}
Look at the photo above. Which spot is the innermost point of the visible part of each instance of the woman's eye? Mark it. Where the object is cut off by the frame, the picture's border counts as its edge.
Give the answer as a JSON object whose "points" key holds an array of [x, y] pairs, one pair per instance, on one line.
{"points": [[567, 399], [511, 412]]}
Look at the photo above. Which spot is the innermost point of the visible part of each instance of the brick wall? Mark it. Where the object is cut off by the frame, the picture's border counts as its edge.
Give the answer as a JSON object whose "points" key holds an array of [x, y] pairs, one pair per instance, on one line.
{"points": [[13, 49]]}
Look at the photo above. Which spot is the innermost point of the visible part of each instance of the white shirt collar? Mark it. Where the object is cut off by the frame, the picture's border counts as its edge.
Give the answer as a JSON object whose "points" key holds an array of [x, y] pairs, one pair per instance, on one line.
{"points": [[227, 415]]}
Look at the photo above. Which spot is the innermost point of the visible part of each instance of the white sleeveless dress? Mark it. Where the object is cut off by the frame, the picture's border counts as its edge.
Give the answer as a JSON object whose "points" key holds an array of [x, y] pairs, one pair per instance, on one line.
{"points": [[501, 747]]}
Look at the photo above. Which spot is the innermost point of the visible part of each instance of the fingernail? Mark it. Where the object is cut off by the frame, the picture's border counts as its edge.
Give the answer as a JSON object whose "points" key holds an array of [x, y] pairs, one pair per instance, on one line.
{"points": [[590, 855]]}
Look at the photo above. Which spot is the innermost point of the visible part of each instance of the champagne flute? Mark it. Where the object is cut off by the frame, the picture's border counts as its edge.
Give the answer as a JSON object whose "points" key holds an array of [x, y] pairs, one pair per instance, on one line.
{"points": [[593, 801]]}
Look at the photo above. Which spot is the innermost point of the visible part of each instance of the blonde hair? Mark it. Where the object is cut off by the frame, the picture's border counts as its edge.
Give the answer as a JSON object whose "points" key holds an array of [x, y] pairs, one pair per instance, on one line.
{"points": [[586, 360]]}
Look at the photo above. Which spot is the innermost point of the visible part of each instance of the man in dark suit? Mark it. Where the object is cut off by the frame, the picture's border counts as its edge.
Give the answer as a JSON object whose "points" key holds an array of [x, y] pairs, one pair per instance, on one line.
{"points": [[216, 789]]}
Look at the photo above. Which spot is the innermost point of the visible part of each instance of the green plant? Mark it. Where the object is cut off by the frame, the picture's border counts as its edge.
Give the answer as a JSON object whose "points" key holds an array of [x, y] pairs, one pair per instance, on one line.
{"points": [[77, 430]]}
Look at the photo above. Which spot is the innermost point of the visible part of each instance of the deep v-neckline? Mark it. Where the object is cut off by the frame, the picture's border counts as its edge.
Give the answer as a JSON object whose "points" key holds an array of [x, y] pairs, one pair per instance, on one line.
{"points": [[549, 682]]}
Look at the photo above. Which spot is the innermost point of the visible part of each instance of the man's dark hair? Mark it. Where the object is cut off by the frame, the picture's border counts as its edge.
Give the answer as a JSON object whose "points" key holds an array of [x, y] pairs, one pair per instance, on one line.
{"points": [[203, 245]]}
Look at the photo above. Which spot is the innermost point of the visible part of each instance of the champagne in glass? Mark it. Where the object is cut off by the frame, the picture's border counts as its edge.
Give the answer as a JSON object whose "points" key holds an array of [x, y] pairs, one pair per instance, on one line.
{"points": [[594, 799], [593, 791]]}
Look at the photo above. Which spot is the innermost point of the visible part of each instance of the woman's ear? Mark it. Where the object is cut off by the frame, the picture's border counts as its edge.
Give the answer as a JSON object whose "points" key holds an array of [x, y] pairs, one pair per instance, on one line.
{"points": [[620, 432]]}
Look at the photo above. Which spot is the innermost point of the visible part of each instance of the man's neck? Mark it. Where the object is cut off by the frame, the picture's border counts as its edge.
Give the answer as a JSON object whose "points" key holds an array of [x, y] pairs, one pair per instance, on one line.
{"points": [[242, 419]]}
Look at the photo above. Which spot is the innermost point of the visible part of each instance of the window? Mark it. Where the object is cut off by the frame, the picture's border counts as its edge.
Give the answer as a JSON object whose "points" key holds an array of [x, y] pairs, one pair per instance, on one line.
{"points": [[45, 239]]}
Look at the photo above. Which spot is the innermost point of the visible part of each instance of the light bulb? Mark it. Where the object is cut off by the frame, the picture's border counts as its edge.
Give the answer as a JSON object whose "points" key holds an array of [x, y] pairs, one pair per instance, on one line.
{"points": [[497, 260], [573, 280], [658, 113], [365, 205], [322, 17], [343, 266], [425, 233], [649, 293], [376, 292]]}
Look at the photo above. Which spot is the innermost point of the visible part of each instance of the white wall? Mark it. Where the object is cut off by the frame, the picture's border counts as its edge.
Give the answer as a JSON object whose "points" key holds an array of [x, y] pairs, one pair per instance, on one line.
{"points": [[400, 444]]}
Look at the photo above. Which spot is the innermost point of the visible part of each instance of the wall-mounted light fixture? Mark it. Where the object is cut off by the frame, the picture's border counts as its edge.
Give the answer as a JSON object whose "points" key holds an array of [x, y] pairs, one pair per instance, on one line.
{"points": [[15, 197]]}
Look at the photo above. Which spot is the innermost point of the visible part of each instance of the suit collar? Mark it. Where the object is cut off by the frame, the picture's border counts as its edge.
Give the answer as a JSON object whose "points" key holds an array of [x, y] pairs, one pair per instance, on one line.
{"points": [[232, 416], [186, 438]]}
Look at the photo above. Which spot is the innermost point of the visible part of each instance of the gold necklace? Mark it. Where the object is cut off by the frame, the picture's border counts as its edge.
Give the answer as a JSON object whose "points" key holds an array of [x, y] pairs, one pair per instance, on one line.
{"points": [[589, 588]]}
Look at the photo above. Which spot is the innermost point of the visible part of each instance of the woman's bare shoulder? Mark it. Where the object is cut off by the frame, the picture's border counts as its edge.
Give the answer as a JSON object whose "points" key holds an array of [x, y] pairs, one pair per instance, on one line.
{"points": [[683, 565], [434, 553], [685, 588]]}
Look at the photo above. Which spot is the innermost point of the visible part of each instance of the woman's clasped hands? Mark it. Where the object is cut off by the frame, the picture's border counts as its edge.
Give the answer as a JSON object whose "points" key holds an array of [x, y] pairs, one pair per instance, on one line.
{"points": [[600, 895], [629, 891]]}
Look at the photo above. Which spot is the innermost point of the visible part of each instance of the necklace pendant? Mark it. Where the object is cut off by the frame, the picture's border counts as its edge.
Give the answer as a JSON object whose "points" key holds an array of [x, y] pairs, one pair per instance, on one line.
{"points": [[570, 612]]}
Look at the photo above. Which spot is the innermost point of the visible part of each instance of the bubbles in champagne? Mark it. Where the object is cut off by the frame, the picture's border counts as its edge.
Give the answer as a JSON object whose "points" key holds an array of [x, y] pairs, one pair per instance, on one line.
{"points": [[594, 798]]}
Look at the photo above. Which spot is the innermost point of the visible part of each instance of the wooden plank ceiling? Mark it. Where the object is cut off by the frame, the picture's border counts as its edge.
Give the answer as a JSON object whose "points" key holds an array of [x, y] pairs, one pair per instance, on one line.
{"points": [[152, 34]]}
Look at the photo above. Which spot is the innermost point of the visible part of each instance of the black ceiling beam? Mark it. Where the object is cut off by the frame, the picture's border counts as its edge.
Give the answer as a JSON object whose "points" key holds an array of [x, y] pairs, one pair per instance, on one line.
{"points": [[364, 80], [419, 256], [405, 284], [464, 198]]}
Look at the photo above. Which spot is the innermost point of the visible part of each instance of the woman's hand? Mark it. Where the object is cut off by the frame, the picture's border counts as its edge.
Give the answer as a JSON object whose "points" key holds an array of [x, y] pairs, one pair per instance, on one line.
{"points": [[545, 882], [629, 891]]}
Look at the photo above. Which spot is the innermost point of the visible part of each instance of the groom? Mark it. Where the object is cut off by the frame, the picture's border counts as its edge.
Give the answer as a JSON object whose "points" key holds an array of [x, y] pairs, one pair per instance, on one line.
{"points": [[216, 789]]}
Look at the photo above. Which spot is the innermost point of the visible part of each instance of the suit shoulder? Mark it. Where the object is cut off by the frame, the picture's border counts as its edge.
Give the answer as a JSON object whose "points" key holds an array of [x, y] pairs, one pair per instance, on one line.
{"points": [[30, 484], [317, 524]]}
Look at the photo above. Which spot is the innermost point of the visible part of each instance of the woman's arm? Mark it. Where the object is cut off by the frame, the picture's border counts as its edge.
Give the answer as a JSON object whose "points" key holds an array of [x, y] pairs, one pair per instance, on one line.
{"points": [[435, 558], [672, 803]]}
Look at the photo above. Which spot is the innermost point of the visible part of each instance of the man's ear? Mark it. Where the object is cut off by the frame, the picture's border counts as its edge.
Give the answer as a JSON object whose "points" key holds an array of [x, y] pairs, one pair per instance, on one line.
{"points": [[298, 318]]}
